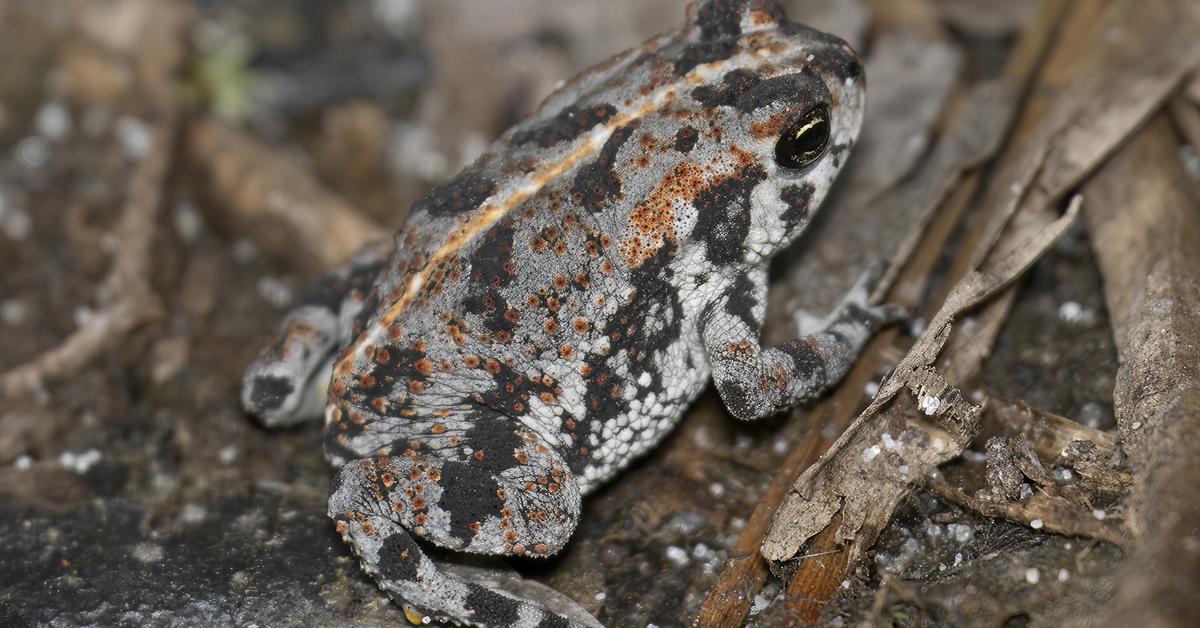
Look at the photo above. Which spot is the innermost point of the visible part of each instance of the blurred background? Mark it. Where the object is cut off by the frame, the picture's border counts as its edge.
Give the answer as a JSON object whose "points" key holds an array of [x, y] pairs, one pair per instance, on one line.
{"points": [[172, 173]]}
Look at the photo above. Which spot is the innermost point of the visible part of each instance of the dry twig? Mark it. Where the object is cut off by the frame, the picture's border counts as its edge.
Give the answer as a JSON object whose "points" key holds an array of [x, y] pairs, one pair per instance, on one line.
{"points": [[126, 300]]}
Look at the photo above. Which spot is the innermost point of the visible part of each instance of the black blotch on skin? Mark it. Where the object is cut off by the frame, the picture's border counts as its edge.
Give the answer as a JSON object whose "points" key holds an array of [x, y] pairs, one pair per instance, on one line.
{"points": [[402, 365], [598, 181], [569, 124], [704, 52], [798, 199], [736, 398], [808, 362], [721, 19], [787, 89], [685, 139], [269, 392], [489, 304], [837, 58], [490, 260], [393, 563], [469, 495], [459, 195], [491, 608], [553, 621], [743, 297], [728, 91], [723, 215], [494, 436]]}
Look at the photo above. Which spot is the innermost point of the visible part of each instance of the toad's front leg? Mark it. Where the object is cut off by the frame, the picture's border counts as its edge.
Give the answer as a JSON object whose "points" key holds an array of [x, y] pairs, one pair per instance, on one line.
{"points": [[755, 382], [286, 383]]}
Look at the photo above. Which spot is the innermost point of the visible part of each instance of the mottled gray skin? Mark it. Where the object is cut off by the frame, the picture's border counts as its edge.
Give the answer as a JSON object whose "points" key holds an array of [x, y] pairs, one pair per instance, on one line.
{"points": [[549, 314]]}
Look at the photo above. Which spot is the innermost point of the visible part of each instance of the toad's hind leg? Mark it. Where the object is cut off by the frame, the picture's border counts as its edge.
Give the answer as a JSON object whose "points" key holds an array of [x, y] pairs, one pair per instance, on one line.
{"points": [[286, 383], [519, 500]]}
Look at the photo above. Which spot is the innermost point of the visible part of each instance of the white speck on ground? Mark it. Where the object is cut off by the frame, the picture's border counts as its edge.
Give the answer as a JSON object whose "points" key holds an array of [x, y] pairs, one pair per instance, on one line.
{"points": [[677, 555], [148, 552], [79, 462]]}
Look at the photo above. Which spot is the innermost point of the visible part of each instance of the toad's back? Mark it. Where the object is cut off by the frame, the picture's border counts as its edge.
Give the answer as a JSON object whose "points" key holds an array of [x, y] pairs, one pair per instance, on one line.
{"points": [[558, 280]]}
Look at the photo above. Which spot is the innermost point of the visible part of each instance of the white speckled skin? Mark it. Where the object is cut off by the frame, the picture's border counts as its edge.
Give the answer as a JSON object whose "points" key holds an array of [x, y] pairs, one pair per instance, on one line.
{"points": [[549, 314]]}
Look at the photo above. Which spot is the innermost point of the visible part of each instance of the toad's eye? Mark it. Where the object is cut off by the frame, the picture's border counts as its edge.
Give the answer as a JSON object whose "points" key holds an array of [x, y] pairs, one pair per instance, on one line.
{"points": [[805, 140]]}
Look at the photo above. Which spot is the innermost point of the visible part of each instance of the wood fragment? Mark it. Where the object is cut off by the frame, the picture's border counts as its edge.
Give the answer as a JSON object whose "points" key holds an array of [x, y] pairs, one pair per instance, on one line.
{"points": [[282, 205], [1145, 227], [1052, 512], [1048, 433]]}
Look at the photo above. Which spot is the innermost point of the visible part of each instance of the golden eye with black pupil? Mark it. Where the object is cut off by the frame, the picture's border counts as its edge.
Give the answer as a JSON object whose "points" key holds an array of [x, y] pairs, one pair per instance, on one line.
{"points": [[805, 140]]}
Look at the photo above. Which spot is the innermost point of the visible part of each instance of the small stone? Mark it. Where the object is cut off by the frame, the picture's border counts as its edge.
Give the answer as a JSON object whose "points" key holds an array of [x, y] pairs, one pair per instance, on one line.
{"points": [[1036, 524], [1070, 312], [677, 555], [1032, 575]]}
